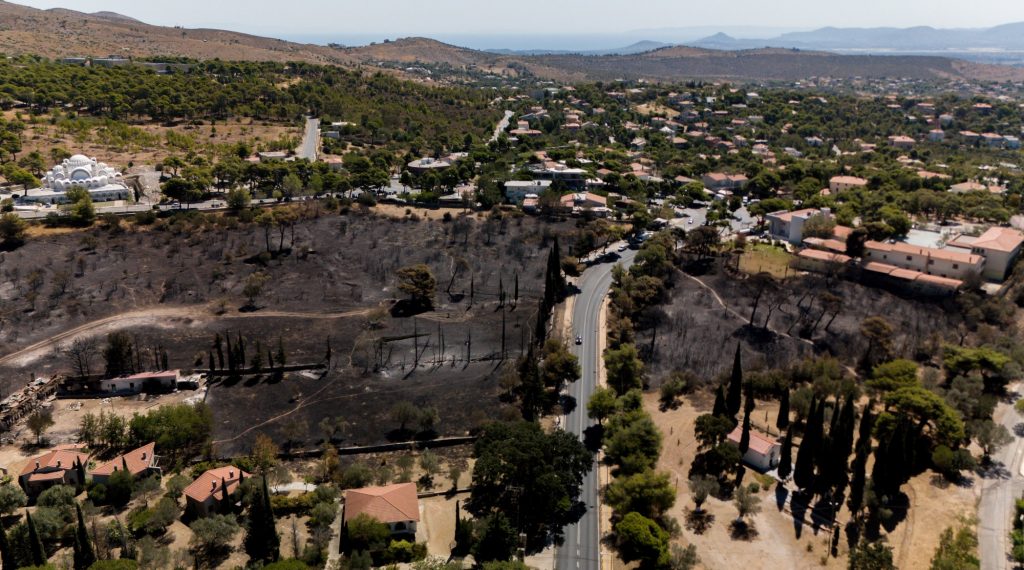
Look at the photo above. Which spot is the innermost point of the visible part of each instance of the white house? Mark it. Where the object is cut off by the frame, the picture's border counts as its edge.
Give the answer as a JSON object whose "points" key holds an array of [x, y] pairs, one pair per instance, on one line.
{"points": [[763, 453], [517, 190], [789, 226], [163, 381], [950, 262], [999, 246]]}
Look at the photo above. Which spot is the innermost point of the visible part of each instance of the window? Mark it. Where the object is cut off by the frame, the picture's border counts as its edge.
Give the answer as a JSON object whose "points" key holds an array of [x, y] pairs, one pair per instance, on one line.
{"points": [[931, 262], [956, 266], [910, 258]]}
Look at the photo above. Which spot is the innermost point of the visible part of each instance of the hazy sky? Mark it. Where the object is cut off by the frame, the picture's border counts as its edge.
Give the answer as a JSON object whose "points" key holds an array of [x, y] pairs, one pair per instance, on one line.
{"points": [[537, 17]]}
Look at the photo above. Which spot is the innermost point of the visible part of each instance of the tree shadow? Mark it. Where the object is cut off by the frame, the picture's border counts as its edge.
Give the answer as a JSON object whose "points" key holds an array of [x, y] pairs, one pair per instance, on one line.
{"points": [[405, 308], [742, 530], [898, 507], [593, 437], [994, 470], [1018, 430], [798, 504], [568, 403], [781, 494], [699, 522]]}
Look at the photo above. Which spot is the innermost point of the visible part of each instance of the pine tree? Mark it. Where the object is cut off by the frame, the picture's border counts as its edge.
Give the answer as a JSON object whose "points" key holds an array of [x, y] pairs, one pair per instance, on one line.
{"points": [[85, 556], [261, 540], [782, 422], [786, 459], [35, 543], [7, 556], [720, 410], [733, 398], [803, 474]]}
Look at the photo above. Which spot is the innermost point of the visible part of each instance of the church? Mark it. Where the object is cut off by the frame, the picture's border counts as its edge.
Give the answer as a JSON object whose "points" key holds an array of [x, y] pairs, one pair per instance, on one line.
{"points": [[103, 182]]}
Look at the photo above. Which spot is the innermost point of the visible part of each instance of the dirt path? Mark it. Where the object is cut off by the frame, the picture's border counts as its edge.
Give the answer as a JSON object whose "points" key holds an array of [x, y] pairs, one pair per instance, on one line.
{"points": [[732, 312], [153, 317]]}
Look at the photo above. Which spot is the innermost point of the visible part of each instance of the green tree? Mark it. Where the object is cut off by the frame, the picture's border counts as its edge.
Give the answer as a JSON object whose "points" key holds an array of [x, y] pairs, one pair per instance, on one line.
{"points": [[211, 539], [11, 498], [497, 540], [365, 533], [85, 555], [39, 422], [238, 199], [702, 487], [602, 404], [871, 556], [12, 228], [633, 442], [649, 493], [786, 456], [418, 282], [519, 464], [120, 485], [262, 542], [35, 542], [559, 366], [893, 375], [640, 538], [782, 420], [747, 503], [624, 368], [734, 395]]}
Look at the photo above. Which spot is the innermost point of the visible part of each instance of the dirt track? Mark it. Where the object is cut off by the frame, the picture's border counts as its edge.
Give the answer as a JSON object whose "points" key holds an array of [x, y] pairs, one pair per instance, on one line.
{"points": [[153, 317]]}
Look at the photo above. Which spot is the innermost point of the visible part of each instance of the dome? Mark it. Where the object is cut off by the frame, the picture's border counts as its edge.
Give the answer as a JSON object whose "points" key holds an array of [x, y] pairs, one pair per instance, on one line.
{"points": [[79, 160]]}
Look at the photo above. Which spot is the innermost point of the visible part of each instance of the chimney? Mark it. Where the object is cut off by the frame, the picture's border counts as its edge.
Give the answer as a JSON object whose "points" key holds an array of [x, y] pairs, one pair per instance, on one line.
{"points": [[213, 485], [231, 474], [37, 465], [143, 455], [58, 464]]}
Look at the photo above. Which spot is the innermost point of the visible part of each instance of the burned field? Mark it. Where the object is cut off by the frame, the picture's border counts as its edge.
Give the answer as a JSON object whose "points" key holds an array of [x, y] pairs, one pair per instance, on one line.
{"points": [[329, 280], [705, 316]]}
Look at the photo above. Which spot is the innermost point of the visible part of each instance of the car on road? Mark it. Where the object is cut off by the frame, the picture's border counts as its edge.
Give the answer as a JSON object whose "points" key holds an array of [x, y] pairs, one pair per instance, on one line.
{"points": [[690, 221], [579, 339], [623, 247]]}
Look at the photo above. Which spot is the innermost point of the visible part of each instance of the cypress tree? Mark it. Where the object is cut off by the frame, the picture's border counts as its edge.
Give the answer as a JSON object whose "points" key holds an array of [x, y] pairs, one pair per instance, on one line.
{"points": [[6, 553], [720, 410], [786, 459], [782, 422], [261, 540], [735, 385], [85, 556], [225, 497], [803, 474], [35, 544], [80, 472], [745, 436]]}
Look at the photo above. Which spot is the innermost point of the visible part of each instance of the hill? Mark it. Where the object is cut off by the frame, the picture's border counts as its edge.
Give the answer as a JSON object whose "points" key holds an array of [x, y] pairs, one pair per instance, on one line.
{"points": [[60, 33]]}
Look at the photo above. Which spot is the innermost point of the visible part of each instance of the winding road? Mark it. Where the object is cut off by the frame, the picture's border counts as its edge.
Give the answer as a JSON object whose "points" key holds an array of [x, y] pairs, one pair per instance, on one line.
{"points": [[999, 491], [582, 546]]}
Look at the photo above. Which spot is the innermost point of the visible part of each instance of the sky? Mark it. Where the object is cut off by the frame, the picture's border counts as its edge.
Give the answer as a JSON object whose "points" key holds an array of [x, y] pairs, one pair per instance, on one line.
{"points": [[324, 19]]}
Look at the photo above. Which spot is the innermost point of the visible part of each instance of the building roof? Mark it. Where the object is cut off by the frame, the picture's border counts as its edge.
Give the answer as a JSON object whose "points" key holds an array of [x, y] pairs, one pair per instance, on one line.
{"points": [[759, 443], [911, 275], [835, 245], [148, 375], [827, 256], [391, 504], [788, 216], [138, 461], [999, 239], [906, 248], [209, 483], [63, 459], [849, 180]]}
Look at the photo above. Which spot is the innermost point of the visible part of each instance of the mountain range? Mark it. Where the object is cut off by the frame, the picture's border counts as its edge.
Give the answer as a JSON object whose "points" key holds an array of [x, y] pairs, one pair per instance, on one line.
{"points": [[1000, 43], [59, 33]]}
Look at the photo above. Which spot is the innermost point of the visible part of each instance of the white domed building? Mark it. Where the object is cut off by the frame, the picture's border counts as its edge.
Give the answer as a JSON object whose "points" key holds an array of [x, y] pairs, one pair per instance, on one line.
{"points": [[103, 182]]}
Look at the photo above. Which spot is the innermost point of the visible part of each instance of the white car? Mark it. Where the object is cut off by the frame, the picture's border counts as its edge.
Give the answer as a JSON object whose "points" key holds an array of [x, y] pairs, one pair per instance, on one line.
{"points": [[623, 248]]}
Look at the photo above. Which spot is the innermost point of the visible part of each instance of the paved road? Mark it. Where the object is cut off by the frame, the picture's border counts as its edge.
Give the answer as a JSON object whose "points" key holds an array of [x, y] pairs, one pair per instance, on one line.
{"points": [[998, 493], [310, 147], [582, 547], [501, 126]]}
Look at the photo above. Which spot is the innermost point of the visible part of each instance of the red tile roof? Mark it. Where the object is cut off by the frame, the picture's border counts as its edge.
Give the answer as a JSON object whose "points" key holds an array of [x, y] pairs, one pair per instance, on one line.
{"points": [[63, 458], [759, 442], [138, 460], [209, 483], [999, 239], [391, 504]]}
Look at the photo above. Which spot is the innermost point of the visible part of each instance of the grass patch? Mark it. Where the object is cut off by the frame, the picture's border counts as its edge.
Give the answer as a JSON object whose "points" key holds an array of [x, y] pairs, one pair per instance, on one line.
{"points": [[766, 258]]}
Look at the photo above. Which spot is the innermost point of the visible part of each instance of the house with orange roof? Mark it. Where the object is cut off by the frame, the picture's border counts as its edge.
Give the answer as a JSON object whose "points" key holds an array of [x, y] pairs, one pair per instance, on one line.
{"points": [[839, 183], [764, 452], [211, 492], [55, 467], [999, 246], [140, 462], [952, 263], [394, 505]]}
